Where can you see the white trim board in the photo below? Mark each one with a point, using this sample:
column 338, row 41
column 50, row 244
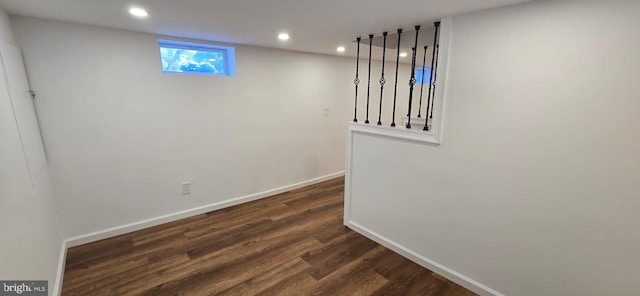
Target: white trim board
column 389, row 132
column 432, row 265
column 57, row 288
column 433, row 138
column 439, row 94
column 434, row 135
column 118, row 230
column 111, row 232
column 354, row 128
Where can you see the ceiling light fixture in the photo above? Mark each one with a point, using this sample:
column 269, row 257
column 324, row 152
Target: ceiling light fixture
column 139, row 12
column 403, row 54
column 341, row 49
column 283, row 36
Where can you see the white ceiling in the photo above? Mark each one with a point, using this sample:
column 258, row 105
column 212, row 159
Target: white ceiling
column 317, row 26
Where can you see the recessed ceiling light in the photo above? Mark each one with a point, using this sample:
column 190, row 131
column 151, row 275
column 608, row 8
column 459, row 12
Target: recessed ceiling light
column 341, row 49
column 403, row 54
column 139, row 12
column 283, row 36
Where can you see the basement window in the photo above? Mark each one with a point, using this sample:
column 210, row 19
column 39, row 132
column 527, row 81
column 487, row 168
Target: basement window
column 195, row 58
column 427, row 75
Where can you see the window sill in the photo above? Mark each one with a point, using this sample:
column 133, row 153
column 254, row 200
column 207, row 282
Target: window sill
column 400, row 132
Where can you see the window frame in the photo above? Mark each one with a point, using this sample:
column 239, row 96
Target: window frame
column 228, row 53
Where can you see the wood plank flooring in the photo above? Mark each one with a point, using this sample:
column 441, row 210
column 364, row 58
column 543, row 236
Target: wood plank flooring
column 289, row 244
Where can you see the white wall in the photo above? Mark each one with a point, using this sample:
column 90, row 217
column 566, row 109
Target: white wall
column 31, row 241
column 121, row 136
column 534, row 190
column 6, row 32
column 402, row 97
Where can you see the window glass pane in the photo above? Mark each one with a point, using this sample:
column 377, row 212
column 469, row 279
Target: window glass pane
column 182, row 60
column 427, row 73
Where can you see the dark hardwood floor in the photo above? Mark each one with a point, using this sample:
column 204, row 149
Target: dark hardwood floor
column 289, row 244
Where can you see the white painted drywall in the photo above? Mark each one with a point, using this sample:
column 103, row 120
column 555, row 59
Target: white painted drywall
column 6, row 32
column 31, row 241
column 121, row 136
column 534, row 189
column 23, row 107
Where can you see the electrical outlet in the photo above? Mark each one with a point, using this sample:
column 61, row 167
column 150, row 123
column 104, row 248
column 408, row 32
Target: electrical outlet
column 186, row 188
column 325, row 112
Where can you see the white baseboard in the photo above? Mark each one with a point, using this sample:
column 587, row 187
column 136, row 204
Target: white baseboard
column 440, row 269
column 111, row 232
column 114, row 231
column 57, row 289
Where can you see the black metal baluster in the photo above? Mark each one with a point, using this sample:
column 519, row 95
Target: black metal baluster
column 369, row 82
column 424, row 61
column 435, row 78
column 412, row 81
column 433, row 58
column 382, row 80
column 395, row 88
column 356, row 82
